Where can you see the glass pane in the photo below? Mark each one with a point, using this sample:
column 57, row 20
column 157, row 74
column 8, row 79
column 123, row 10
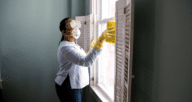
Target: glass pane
column 107, row 9
column 102, row 27
column 107, row 68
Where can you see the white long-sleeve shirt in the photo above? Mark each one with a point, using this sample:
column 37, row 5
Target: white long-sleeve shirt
column 74, row 61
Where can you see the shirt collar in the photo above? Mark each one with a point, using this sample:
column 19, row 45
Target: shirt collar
column 67, row 43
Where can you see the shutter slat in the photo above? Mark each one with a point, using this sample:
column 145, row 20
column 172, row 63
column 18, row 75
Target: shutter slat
column 119, row 42
column 120, row 63
column 119, row 50
column 119, row 47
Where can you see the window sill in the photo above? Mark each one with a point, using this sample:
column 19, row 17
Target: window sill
column 99, row 95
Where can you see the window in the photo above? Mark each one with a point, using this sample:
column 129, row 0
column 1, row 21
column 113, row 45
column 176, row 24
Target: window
column 107, row 9
column 113, row 73
column 106, row 60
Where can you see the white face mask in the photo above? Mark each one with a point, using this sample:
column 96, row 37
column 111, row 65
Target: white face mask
column 76, row 33
column 76, row 25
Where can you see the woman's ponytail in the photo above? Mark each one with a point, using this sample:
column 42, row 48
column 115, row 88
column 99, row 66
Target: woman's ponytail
column 62, row 27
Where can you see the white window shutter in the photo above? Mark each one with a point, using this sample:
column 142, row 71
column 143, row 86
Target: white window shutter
column 129, row 27
column 86, row 31
column 124, row 50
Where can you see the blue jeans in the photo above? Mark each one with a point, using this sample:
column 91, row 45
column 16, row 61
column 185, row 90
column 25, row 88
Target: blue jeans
column 66, row 94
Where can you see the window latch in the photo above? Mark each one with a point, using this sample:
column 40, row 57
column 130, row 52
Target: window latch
column 92, row 79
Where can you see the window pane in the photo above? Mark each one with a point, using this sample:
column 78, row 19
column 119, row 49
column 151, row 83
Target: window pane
column 102, row 27
column 107, row 9
column 107, row 68
column 107, row 58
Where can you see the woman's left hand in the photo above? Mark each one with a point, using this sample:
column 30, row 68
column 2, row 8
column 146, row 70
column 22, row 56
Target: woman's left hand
column 92, row 44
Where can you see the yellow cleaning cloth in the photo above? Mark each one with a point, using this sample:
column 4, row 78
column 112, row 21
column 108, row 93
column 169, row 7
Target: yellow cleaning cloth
column 109, row 24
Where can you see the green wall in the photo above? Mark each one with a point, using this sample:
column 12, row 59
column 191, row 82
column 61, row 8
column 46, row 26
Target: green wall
column 162, row 56
column 29, row 37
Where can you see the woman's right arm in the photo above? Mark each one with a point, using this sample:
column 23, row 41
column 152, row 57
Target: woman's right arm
column 72, row 55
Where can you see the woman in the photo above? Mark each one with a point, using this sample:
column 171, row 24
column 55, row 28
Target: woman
column 73, row 75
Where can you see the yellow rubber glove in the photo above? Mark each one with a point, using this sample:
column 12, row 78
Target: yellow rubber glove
column 91, row 45
column 108, row 33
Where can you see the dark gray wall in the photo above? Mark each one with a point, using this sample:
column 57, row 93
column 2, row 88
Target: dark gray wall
column 29, row 37
column 162, row 56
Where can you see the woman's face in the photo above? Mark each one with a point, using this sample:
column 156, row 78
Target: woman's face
column 68, row 34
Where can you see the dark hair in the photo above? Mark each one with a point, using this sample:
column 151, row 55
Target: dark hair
column 62, row 27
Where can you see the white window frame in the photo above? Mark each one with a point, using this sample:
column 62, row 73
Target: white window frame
column 125, row 8
column 96, row 90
